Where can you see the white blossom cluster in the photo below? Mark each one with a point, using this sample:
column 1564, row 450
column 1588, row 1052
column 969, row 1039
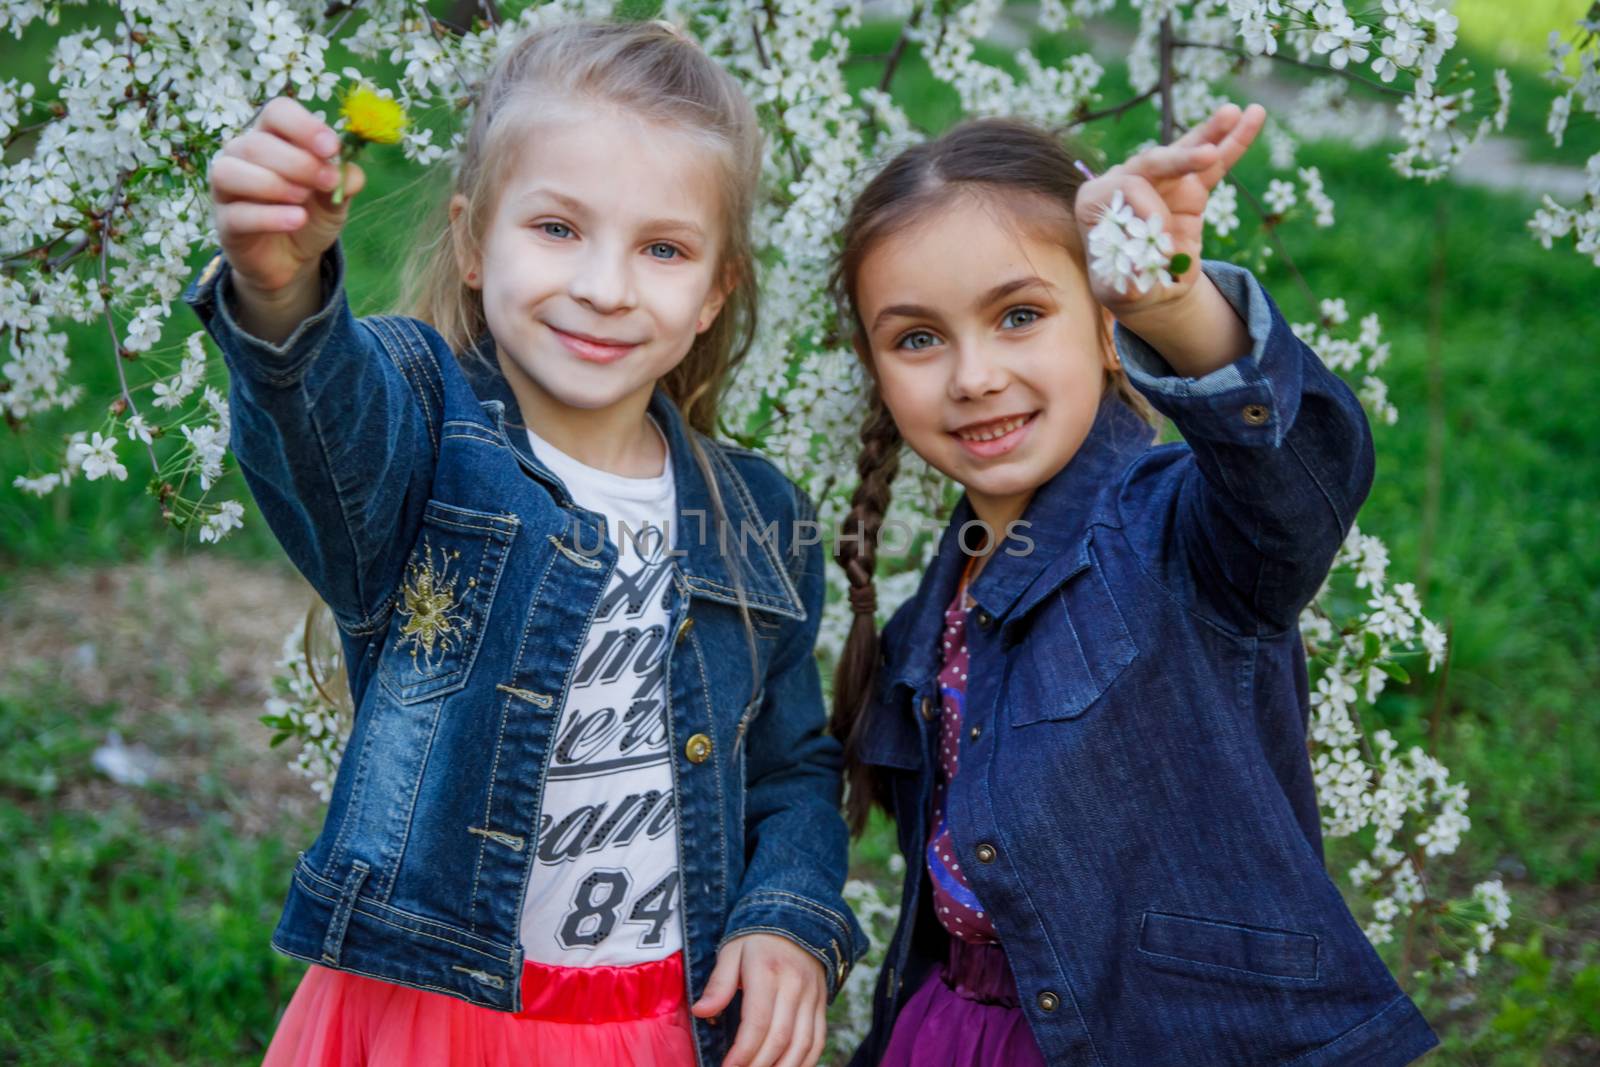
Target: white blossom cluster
column 1127, row 251
column 1364, row 355
column 1400, row 36
column 1413, row 809
column 299, row 711
column 1555, row 221
column 103, row 208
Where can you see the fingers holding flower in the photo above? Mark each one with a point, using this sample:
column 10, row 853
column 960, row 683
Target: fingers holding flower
column 1142, row 220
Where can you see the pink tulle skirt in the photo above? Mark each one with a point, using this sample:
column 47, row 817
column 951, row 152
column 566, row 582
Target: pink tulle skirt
column 583, row 1016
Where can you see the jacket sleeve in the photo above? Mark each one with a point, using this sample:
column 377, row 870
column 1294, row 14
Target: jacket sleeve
column 1279, row 461
column 796, row 843
column 334, row 435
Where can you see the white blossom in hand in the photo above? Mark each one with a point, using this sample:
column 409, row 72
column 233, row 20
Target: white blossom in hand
column 1126, row 250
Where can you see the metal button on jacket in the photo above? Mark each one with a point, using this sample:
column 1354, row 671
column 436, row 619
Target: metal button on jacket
column 985, row 853
column 1255, row 414
column 698, row 748
column 928, row 710
column 1048, row 1001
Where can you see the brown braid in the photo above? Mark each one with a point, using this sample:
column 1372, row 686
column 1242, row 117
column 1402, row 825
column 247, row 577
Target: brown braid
column 857, row 553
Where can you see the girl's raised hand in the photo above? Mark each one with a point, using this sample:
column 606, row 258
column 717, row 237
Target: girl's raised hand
column 271, row 190
column 783, row 1017
column 1171, row 183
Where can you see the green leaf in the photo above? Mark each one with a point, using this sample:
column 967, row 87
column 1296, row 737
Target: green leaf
column 1395, row 671
column 1181, row 263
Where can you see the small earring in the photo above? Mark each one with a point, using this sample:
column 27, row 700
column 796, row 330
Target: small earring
column 472, row 275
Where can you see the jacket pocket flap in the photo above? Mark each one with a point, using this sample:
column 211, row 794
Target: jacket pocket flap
column 1076, row 644
column 444, row 600
column 1275, row 953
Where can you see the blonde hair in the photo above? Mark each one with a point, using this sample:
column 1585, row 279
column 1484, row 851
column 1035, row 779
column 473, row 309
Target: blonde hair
column 655, row 72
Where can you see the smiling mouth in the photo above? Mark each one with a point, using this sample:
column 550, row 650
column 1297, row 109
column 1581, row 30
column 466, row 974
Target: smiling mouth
column 991, row 431
column 593, row 349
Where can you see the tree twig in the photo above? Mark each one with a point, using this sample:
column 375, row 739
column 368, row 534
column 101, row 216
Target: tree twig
column 1272, row 233
column 1106, row 113
column 766, row 61
column 1169, row 119
column 1433, row 481
column 111, row 324
column 1279, row 57
column 899, row 49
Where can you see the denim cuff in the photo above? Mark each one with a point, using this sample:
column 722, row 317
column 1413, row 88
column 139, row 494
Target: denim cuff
column 214, row 301
column 1252, row 400
column 830, row 936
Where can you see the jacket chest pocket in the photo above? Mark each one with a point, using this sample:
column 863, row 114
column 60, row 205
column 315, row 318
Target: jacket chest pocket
column 444, row 599
column 1075, row 645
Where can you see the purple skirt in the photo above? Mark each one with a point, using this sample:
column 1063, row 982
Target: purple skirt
column 965, row 1015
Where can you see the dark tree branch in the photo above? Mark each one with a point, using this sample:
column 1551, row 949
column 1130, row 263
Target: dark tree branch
column 1293, row 62
column 105, row 302
column 1087, row 117
column 899, row 50
column 1270, row 221
column 1169, row 120
column 766, row 61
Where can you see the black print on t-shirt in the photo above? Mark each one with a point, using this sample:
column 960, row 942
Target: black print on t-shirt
column 596, row 741
column 615, row 724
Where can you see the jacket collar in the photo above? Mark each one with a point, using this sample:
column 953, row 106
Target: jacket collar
column 1017, row 576
column 1060, row 513
column 705, row 561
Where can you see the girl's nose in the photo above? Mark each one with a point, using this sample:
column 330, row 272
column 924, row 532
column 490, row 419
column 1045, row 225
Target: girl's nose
column 975, row 372
column 603, row 282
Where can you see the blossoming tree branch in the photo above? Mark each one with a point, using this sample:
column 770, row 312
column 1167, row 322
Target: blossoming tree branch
column 103, row 217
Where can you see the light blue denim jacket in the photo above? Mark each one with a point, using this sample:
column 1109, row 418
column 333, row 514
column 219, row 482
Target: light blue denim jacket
column 378, row 458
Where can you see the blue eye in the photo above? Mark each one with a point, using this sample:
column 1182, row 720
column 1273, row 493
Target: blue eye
column 556, row 229
column 917, row 340
column 662, row 250
column 1016, row 318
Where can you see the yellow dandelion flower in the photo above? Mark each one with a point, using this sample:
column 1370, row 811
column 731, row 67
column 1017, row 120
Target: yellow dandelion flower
column 372, row 115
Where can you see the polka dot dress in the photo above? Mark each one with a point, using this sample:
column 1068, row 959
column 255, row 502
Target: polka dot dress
column 954, row 902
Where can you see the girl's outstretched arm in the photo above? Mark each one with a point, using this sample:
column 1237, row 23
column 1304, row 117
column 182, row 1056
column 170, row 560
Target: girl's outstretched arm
column 333, row 420
column 1280, row 453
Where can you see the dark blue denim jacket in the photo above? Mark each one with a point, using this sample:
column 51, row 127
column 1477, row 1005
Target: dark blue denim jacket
column 371, row 448
column 1135, row 806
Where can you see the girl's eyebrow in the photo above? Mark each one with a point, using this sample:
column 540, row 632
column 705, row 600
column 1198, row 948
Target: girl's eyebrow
column 681, row 227
column 1005, row 289
column 999, row 292
column 566, row 202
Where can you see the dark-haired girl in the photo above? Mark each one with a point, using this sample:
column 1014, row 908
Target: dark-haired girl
column 1089, row 722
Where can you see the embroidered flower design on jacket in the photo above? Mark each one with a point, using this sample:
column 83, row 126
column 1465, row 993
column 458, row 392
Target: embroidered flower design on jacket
column 429, row 601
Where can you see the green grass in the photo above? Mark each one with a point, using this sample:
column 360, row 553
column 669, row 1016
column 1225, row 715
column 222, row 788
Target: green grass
column 1515, row 32
column 121, row 941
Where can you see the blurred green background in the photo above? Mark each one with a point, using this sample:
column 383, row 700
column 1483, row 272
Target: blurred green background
column 134, row 919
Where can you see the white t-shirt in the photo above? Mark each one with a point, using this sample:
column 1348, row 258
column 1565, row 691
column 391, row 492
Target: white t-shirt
column 604, row 889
